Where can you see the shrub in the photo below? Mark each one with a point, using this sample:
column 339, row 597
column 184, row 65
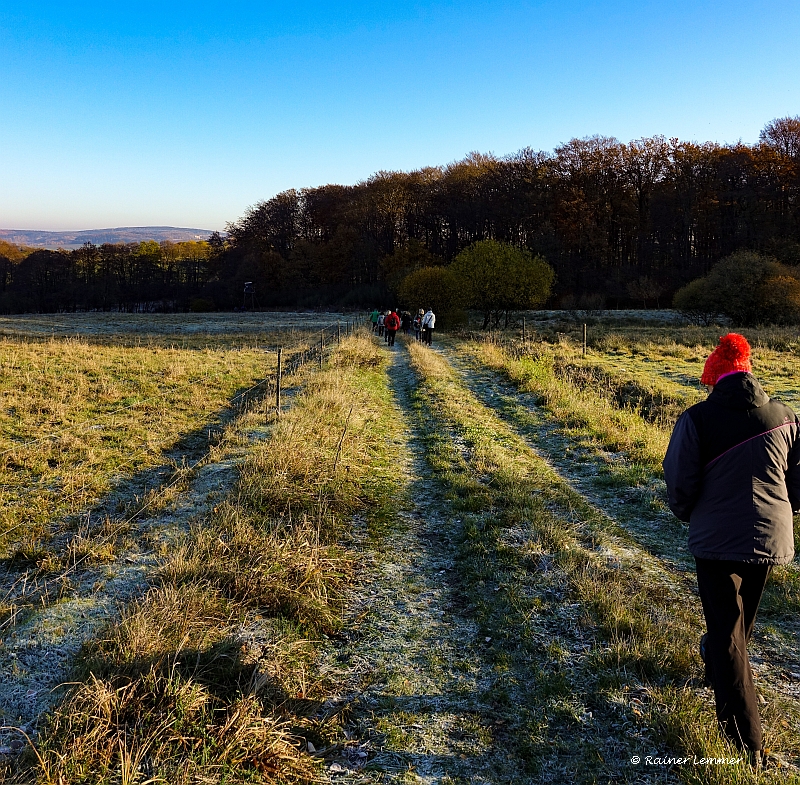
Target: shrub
column 780, row 297
column 696, row 303
column 746, row 287
column 435, row 288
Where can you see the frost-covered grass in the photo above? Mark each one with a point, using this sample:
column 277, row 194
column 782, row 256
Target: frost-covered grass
column 604, row 635
column 511, row 630
column 587, row 404
column 180, row 330
column 670, row 357
column 78, row 418
column 207, row 676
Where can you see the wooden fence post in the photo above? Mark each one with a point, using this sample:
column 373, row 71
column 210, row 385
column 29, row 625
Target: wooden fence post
column 523, row 331
column 278, row 382
column 584, row 339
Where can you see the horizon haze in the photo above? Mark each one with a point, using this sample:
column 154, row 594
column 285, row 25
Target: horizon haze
column 70, row 239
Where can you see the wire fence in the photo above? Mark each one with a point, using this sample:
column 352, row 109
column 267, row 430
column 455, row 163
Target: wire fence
column 329, row 338
column 316, row 352
column 19, row 593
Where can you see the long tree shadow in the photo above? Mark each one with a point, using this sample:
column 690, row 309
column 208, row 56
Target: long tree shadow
column 130, row 495
column 96, row 562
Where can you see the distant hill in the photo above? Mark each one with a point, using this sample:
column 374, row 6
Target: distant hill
column 122, row 234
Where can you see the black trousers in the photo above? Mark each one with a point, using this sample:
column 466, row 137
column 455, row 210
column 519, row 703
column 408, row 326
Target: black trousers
column 390, row 334
column 730, row 592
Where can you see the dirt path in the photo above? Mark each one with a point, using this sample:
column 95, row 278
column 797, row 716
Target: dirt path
column 420, row 689
column 465, row 666
column 436, row 685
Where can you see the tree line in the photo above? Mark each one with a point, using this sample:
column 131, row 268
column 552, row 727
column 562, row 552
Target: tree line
column 146, row 276
column 621, row 224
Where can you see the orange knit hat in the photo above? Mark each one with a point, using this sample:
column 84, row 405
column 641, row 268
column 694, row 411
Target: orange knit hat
column 732, row 354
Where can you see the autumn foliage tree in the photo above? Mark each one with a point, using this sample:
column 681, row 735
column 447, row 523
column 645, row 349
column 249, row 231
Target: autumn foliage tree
column 497, row 278
column 621, row 223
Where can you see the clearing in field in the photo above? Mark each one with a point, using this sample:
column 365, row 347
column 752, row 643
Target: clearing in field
column 438, row 566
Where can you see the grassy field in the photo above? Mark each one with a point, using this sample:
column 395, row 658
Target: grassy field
column 446, row 566
column 108, row 452
column 114, row 396
column 223, row 330
column 207, row 676
column 627, row 410
column 76, row 417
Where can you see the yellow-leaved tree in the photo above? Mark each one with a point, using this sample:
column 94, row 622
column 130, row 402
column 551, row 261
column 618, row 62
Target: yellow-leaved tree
column 498, row 278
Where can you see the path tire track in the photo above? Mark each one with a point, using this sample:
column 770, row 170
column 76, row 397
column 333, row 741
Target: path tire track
column 641, row 512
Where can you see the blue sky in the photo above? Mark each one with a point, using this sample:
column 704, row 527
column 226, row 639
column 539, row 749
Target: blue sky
column 185, row 113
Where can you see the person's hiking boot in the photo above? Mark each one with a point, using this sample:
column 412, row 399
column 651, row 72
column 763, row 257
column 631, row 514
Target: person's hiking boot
column 756, row 759
column 703, row 654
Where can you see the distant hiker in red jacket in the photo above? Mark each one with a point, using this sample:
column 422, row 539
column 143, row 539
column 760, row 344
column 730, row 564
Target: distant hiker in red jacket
column 392, row 325
column 733, row 473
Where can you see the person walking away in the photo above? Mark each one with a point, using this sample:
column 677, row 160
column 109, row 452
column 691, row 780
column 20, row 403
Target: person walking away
column 428, row 323
column 392, row 325
column 732, row 470
column 381, row 318
column 405, row 322
column 373, row 317
column 418, row 324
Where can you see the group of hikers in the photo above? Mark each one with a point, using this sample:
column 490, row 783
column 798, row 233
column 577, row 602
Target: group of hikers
column 386, row 324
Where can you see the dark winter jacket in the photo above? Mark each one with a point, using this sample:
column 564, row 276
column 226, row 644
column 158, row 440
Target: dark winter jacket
column 733, row 472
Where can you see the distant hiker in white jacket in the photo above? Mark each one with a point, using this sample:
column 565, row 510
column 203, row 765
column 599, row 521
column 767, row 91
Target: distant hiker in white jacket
column 428, row 323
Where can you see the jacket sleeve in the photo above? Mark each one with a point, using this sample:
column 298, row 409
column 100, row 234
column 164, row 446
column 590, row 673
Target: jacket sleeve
column 682, row 470
column 793, row 472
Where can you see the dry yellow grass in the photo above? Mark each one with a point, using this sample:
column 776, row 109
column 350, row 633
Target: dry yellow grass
column 644, row 630
column 618, row 429
column 76, row 418
column 206, row 678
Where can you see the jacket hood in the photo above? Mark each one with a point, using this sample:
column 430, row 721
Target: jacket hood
column 739, row 391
